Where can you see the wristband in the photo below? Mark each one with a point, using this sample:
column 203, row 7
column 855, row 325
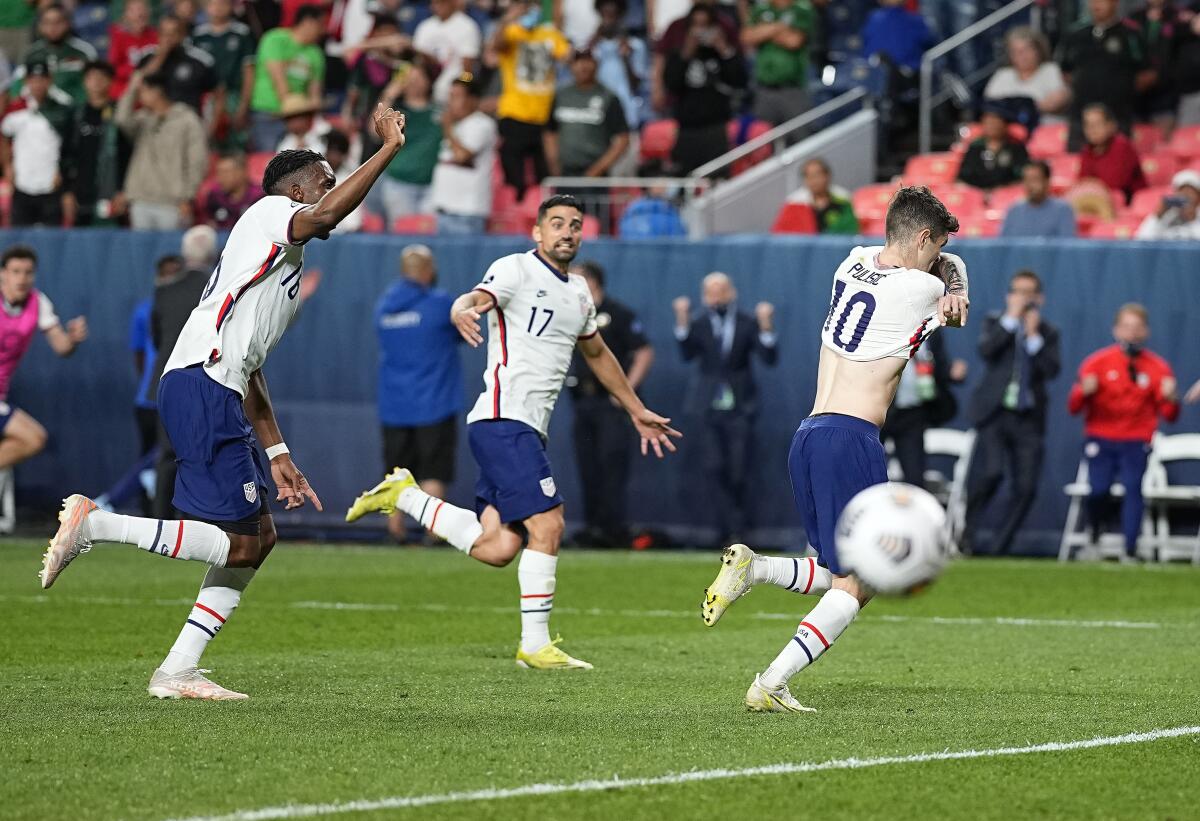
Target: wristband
column 277, row 450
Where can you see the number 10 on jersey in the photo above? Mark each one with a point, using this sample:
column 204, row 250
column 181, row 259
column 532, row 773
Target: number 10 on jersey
column 864, row 298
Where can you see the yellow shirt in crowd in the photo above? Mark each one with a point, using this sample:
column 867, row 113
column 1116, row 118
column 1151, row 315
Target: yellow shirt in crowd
column 529, row 71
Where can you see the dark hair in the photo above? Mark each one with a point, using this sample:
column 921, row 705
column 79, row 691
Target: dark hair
column 592, row 270
column 165, row 262
column 1104, row 110
column 1025, row 273
column 156, row 80
column 284, row 165
column 819, row 161
column 556, row 201
column 699, row 9
column 335, row 140
column 1040, row 165
column 308, row 12
column 18, row 252
column 103, row 66
column 171, row 18
column 912, row 210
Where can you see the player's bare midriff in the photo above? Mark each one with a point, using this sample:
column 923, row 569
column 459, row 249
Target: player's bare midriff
column 862, row 389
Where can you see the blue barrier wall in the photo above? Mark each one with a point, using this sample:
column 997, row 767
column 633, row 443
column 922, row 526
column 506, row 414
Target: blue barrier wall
column 322, row 376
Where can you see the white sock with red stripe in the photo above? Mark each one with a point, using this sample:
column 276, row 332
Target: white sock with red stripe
column 820, row 628
column 457, row 526
column 220, row 593
column 798, row 575
column 175, row 539
column 535, row 575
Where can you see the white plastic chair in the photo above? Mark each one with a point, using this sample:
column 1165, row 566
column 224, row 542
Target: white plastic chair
column 957, row 444
column 8, row 509
column 1161, row 495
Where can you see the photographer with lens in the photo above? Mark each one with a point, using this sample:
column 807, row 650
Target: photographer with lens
column 1178, row 215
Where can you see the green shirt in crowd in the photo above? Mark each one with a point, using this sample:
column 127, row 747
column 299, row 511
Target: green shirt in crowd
column 837, row 217
column 304, row 64
column 230, row 49
column 586, row 120
column 774, row 65
column 66, row 61
column 16, row 14
column 422, row 141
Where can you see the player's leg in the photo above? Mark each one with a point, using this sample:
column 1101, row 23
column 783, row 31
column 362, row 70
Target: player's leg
column 1133, row 466
column 1102, row 470
column 537, row 576
column 23, row 436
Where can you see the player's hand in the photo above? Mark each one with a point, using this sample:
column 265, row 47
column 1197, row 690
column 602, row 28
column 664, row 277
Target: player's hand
column 77, row 329
column 1170, row 389
column 1193, row 394
column 1090, row 384
column 293, row 487
column 952, row 308
column 765, row 313
column 655, row 431
column 389, row 126
column 467, row 322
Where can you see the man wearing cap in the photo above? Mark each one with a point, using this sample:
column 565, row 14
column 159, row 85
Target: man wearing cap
column 1178, row 216
column 995, row 158
column 31, row 148
column 586, row 133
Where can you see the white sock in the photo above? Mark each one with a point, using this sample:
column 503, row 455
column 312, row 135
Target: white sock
column 798, row 575
column 535, row 575
column 219, row 595
column 457, row 526
column 820, row 628
column 175, row 539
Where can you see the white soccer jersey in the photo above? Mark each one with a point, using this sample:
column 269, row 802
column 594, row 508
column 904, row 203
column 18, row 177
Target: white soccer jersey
column 878, row 311
column 539, row 316
column 250, row 300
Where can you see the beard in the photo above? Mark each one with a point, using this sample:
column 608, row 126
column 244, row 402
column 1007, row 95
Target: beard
column 562, row 254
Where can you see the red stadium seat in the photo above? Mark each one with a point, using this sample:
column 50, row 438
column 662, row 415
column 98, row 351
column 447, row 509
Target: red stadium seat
column 1147, row 138
column 1048, row 141
column 1123, row 228
column 962, row 200
column 871, row 201
column 1147, row 200
column 658, row 138
column 1185, row 143
column 755, row 129
column 372, row 223
column 1160, row 168
column 256, row 164
column 795, row 218
column 1064, row 171
column 931, row 169
column 591, row 227
column 1001, row 199
column 423, row 224
column 870, row 226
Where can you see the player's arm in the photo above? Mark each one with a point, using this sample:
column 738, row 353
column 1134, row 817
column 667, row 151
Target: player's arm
column 64, row 340
column 344, row 197
column 292, row 486
column 653, row 429
column 466, row 312
column 953, row 307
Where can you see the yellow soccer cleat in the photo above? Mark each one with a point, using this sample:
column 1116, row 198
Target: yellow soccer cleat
column 732, row 582
column 550, row 657
column 382, row 498
column 763, row 699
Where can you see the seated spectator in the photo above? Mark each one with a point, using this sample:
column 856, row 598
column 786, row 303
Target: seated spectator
column 303, row 129
column 830, row 203
column 63, row 54
column 170, row 155
column 1178, row 217
column 995, row 158
column 780, row 32
column 31, row 147
column 94, row 155
column 189, row 71
column 405, row 186
column 449, row 40
column 224, row 203
column 462, row 180
column 231, row 46
column 1040, row 215
column 1031, row 73
column 1109, row 156
column 702, row 77
column 622, row 66
column 1163, row 25
column 128, row 43
column 899, row 34
column 586, row 133
column 650, row 216
column 289, row 61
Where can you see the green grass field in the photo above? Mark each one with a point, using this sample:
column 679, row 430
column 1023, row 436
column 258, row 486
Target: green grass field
column 384, row 674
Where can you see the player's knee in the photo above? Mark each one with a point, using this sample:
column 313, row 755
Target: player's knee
column 245, row 551
column 34, row 438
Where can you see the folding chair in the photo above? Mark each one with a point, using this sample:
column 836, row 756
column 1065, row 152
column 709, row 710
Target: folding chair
column 8, row 510
column 1161, row 495
column 1110, row 544
column 957, row 444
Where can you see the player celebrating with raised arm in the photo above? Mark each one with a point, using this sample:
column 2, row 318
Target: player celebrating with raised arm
column 537, row 314
column 885, row 302
column 213, row 403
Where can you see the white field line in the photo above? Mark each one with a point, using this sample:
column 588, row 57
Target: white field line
column 391, row 607
column 672, row 779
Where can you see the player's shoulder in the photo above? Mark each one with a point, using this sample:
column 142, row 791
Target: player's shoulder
column 578, row 282
column 271, row 204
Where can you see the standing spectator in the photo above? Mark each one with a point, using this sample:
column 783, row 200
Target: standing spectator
column 671, row 39
column 31, row 148
column 622, row 66
column 1163, row 25
column 95, row 155
column 703, row 76
column 16, row 27
column 1104, row 61
column 406, row 186
column 1031, row 74
column 1122, row 390
column 64, row 54
column 603, row 446
column 450, row 40
column 723, row 393
column 230, row 46
column 898, row 33
column 1109, row 156
column 780, row 32
column 462, row 180
column 586, row 133
column 170, row 155
column 995, row 158
column 650, row 216
column 128, row 42
column 224, row 203
column 1178, row 216
column 830, row 204
column 420, row 378
column 1008, row 409
column 1040, row 215
column 188, row 71
column 377, row 64
column 1187, row 72
column 529, row 50
column 289, row 61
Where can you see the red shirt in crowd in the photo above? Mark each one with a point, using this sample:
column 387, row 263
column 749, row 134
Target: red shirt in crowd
column 125, row 51
column 1129, row 396
column 1117, row 165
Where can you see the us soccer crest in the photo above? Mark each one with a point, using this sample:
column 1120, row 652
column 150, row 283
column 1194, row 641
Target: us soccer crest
column 251, row 491
column 548, row 487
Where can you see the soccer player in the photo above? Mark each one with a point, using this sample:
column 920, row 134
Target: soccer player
column 886, row 301
column 213, row 403
column 26, row 310
column 537, row 314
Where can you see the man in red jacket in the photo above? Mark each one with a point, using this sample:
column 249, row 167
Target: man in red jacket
column 1122, row 390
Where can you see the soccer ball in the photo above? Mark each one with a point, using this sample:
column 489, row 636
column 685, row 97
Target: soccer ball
column 893, row 537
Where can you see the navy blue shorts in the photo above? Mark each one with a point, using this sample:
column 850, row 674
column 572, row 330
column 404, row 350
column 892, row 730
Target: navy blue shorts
column 6, row 412
column 832, row 458
column 514, row 471
column 220, row 476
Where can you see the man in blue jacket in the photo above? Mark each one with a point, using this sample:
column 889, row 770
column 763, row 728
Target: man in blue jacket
column 420, row 379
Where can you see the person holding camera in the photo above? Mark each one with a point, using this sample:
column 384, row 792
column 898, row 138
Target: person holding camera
column 1178, row 216
column 1020, row 353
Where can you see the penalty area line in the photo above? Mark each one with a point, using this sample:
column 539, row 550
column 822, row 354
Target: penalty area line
column 673, row 779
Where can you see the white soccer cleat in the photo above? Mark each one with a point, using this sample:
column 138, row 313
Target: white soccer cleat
column 731, row 583
column 190, row 683
column 70, row 540
column 761, row 699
